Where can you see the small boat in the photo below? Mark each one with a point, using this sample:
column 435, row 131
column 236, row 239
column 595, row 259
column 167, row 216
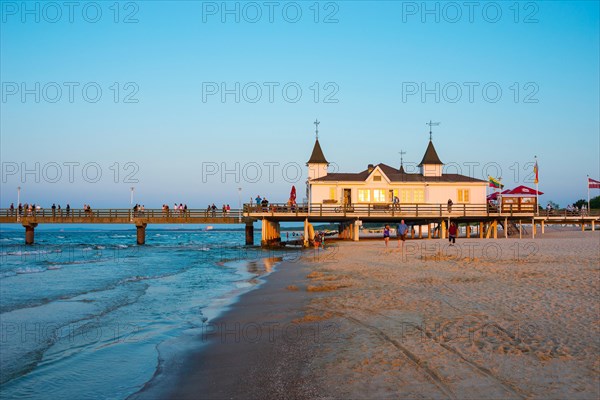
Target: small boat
column 209, row 228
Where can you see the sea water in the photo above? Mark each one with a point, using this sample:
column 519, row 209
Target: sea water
column 89, row 314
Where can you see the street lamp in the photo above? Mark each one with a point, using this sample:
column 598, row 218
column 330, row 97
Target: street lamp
column 131, row 204
column 240, row 205
column 18, row 202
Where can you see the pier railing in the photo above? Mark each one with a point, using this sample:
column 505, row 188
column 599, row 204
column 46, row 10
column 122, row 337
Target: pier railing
column 402, row 210
column 119, row 214
column 283, row 211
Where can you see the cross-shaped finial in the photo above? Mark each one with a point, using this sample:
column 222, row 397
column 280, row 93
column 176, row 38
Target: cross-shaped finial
column 401, row 158
column 430, row 125
column 317, row 128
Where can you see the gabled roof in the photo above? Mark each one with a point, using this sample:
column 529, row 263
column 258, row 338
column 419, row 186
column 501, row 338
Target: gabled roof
column 430, row 156
column 395, row 175
column 523, row 190
column 317, row 156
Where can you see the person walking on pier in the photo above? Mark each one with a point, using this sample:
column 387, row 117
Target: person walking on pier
column 12, row 209
column 68, row 209
column 214, row 210
column 452, row 231
column 401, row 231
column 450, row 203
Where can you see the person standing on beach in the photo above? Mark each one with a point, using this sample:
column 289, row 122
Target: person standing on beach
column 452, row 231
column 386, row 235
column 401, row 231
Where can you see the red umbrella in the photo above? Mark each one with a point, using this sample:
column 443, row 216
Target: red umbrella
column 293, row 193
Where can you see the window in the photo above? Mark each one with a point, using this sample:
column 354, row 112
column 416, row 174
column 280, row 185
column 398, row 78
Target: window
column 332, row 193
column 379, row 195
column 364, row 195
column 377, row 178
column 412, row 196
column 419, row 196
column 406, row 196
column 463, row 195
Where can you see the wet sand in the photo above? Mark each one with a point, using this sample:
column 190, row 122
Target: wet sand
column 485, row 319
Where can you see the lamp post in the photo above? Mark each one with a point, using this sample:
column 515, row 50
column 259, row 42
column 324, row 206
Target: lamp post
column 240, row 205
column 131, row 203
column 19, row 202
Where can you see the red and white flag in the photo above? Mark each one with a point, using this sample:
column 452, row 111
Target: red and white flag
column 593, row 184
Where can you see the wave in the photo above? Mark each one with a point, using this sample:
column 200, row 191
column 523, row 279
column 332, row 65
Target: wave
column 29, row 270
column 29, row 253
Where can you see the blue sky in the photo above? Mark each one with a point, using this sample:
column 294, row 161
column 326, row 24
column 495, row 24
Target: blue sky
column 162, row 126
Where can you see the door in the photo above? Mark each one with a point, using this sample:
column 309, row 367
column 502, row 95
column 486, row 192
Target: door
column 347, row 196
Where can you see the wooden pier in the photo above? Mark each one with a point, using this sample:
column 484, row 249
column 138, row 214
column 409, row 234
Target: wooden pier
column 481, row 217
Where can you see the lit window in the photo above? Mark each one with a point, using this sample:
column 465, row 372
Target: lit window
column 419, row 196
column 463, row 195
column 332, row 193
column 406, row 196
column 379, row 196
column 364, row 195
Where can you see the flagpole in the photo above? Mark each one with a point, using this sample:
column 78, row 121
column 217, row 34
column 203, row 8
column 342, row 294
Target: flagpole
column 588, row 185
column 537, row 192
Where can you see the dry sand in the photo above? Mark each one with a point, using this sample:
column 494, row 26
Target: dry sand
column 485, row 319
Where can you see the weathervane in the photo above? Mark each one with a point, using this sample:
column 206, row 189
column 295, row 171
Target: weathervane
column 430, row 125
column 401, row 152
column 317, row 128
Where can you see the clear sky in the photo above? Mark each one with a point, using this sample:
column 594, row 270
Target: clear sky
column 186, row 100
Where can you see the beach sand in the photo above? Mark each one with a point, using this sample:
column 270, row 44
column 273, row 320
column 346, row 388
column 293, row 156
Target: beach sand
column 485, row 319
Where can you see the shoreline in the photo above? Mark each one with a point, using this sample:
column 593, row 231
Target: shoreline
column 256, row 348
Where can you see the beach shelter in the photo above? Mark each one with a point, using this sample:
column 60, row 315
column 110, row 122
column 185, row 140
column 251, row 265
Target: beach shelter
column 520, row 199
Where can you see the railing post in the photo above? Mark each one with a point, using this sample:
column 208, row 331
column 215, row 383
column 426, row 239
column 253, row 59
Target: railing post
column 464, row 210
column 416, row 210
column 511, row 210
column 321, row 210
column 369, row 209
column 440, row 210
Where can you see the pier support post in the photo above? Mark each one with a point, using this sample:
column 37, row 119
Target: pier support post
column 270, row 233
column 593, row 225
column 346, row 231
column 543, row 230
column 481, row 230
column 582, row 226
column 305, row 232
column 443, row 229
column 429, row 231
column 141, row 233
column 505, row 228
column 533, row 228
column 520, row 230
column 249, row 234
column 420, row 231
column 356, row 229
column 29, row 233
column 468, row 231
column 495, row 229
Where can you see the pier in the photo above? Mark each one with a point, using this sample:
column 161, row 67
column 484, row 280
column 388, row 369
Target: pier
column 480, row 218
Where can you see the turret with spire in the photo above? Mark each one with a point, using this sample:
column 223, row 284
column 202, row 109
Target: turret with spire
column 317, row 164
column 431, row 165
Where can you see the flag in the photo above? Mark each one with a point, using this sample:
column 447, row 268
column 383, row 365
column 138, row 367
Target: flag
column 535, row 171
column 495, row 183
column 593, row 184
